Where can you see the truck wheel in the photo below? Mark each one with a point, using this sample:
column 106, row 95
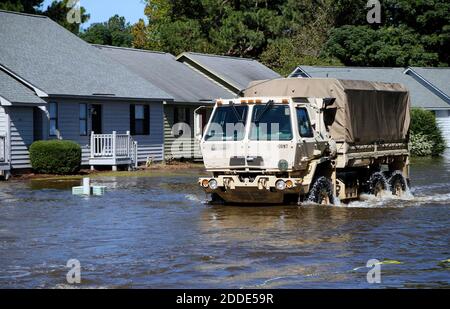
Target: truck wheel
column 321, row 192
column 378, row 184
column 397, row 183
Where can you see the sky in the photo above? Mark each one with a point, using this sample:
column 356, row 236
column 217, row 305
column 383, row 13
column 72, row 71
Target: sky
column 102, row 10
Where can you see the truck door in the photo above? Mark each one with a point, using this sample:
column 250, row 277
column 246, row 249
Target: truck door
column 271, row 142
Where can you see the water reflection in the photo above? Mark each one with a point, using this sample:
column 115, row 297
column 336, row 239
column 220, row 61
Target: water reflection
column 159, row 232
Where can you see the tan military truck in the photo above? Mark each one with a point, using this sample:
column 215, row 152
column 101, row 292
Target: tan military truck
column 298, row 140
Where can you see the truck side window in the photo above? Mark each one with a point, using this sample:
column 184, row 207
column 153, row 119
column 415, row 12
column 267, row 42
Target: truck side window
column 304, row 125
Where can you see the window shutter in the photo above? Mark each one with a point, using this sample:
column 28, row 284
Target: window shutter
column 132, row 120
column 146, row 119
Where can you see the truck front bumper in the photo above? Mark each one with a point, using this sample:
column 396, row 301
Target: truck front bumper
column 261, row 189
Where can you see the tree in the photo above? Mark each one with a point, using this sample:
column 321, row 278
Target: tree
column 115, row 32
column 237, row 28
column 411, row 33
column 139, row 34
column 58, row 11
column 387, row 46
column 25, row 6
column 424, row 129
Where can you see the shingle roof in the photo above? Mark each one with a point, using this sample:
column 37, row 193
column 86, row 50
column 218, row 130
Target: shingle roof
column 59, row 63
column 16, row 92
column 164, row 71
column 420, row 96
column 238, row 72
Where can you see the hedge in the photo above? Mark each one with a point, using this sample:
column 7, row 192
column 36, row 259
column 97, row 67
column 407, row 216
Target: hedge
column 426, row 137
column 55, row 157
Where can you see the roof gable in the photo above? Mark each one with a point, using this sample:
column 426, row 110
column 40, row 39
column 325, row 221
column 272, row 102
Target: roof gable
column 233, row 71
column 59, row 63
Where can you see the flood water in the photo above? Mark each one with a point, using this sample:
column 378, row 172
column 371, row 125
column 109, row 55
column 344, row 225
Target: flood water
column 158, row 232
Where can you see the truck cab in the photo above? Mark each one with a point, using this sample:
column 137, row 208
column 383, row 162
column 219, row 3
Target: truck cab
column 258, row 149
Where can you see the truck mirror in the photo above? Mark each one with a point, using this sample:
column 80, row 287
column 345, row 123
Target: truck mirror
column 328, row 101
column 200, row 121
column 198, row 130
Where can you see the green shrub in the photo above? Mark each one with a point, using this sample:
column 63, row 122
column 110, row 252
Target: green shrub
column 424, row 129
column 420, row 145
column 55, row 157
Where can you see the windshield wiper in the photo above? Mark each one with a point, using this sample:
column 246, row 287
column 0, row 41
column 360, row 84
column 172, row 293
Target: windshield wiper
column 266, row 108
column 236, row 113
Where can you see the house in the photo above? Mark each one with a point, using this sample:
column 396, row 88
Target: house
column 56, row 86
column 189, row 88
column 429, row 87
column 233, row 73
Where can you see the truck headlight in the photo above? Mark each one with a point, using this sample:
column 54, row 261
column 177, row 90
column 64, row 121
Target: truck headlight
column 213, row 184
column 280, row 185
column 205, row 183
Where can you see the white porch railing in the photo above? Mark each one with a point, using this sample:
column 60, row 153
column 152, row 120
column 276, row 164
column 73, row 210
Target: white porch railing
column 114, row 146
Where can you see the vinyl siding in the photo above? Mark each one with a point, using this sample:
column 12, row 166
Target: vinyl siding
column 115, row 117
column 4, row 133
column 443, row 121
column 188, row 147
column 21, row 126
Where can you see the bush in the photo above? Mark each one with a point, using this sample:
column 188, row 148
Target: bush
column 55, row 157
column 424, row 129
column 420, row 145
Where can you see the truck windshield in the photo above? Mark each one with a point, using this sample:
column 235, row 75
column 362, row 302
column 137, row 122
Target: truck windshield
column 304, row 125
column 274, row 124
column 227, row 124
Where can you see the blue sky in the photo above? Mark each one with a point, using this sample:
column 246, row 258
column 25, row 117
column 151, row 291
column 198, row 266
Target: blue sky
column 102, row 10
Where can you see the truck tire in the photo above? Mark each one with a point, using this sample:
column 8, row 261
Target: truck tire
column 321, row 192
column 397, row 183
column 378, row 184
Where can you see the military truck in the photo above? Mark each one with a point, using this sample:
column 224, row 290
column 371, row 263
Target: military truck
column 307, row 140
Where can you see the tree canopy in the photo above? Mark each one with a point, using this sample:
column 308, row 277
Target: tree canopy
column 116, row 32
column 281, row 33
column 57, row 11
column 25, row 6
column 284, row 33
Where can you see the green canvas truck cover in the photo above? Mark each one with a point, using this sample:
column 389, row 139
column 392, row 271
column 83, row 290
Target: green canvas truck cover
column 363, row 113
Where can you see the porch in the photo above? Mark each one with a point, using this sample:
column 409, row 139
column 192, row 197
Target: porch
column 5, row 165
column 113, row 150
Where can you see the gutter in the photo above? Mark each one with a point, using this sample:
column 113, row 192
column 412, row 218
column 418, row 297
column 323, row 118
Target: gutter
column 108, row 98
column 427, row 84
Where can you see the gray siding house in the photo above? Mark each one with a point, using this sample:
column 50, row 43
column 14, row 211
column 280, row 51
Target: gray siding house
column 53, row 85
column 429, row 87
column 233, row 73
column 189, row 88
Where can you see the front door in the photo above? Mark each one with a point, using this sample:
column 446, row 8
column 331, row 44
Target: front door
column 96, row 118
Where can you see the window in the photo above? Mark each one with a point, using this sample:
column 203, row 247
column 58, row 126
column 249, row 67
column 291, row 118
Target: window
column 53, row 111
column 304, row 125
column 227, row 124
column 271, row 123
column 139, row 119
column 181, row 114
column 83, row 119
